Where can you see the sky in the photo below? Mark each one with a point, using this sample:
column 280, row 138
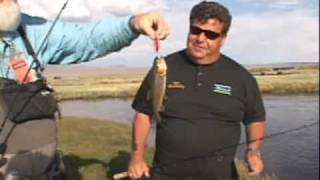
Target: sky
column 262, row 31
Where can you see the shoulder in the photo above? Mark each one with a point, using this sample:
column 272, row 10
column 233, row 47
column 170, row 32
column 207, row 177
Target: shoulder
column 177, row 57
column 174, row 55
column 235, row 67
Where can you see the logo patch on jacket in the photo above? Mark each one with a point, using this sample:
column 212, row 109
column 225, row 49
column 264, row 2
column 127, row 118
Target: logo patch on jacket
column 222, row 89
column 176, row 85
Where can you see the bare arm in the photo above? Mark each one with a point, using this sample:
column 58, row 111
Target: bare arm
column 141, row 128
column 255, row 135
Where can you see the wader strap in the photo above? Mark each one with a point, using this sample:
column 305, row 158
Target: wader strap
column 30, row 50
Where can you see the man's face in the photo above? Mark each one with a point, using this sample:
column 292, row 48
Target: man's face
column 205, row 40
column 9, row 15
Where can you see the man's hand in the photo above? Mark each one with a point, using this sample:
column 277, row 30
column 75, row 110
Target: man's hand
column 138, row 168
column 151, row 24
column 255, row 162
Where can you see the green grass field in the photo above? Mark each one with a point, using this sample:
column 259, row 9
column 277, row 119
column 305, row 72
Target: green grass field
column 95, row 149
column 300, row 80
column 125, row 84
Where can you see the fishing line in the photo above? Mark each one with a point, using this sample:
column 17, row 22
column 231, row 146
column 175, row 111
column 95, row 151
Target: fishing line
column 218, row 153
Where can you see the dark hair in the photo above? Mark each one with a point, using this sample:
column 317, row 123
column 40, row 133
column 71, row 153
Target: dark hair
column 206, row 10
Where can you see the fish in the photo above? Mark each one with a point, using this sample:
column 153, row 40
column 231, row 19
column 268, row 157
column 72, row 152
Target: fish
column 158, row 87
column 156, row 95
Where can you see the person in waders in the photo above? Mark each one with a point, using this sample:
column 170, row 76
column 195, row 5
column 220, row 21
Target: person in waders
column 28, row 133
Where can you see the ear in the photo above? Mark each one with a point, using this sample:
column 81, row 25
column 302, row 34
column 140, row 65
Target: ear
column 223, row 39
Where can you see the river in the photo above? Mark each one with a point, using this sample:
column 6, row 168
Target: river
column 292, row 155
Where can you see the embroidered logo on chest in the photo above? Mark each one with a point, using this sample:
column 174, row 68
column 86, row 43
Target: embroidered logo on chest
column 222, row 89
column 176, row 85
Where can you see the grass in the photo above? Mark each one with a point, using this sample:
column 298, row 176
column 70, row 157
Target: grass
column 95, row 149
column 124, row 85
column 293, row 81
column 94, row 87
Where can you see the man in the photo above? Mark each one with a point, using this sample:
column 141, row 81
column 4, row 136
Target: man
column 29, row 148
column 208, row 95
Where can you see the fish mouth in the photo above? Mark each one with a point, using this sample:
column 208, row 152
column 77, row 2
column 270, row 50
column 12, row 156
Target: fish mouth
column 161, row 67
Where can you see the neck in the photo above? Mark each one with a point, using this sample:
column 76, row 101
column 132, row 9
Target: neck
column 211, row 60
column 1, row 34
column 205, row 61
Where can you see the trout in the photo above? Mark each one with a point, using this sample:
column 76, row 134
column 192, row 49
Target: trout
column 158, row 87
column 156, row 95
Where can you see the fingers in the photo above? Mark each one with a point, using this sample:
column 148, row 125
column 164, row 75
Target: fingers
column 163, row 32
column 160, row 27
column 138, row 173
column 255, row 165
column 146, row 173
column 138, row 168
column 151, row 24
column 255, row 161
column 149, row 31
column 254, row 171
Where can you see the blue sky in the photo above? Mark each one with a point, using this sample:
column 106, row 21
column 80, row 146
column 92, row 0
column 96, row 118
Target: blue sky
column 262, row 31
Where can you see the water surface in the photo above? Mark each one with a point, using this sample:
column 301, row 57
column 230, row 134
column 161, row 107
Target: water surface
column 291, row 156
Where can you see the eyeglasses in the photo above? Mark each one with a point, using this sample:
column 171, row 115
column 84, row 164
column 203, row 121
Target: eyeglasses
column 209, row 34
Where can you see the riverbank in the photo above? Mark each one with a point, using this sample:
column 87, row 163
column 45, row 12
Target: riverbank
column 123, row 83
column 95, row 149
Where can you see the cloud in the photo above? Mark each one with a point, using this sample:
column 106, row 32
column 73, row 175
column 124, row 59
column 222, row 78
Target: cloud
column 90, row 9
column 256, row 36
column 287, row 36
column 282, row 37
column 275, row 3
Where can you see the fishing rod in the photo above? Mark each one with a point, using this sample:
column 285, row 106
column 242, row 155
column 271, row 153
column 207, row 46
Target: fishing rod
column 254, row 140
column 45, row 39
column 122, row 175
